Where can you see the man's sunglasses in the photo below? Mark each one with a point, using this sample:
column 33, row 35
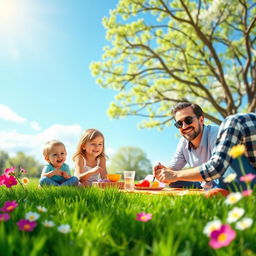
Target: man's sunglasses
column 188, row 120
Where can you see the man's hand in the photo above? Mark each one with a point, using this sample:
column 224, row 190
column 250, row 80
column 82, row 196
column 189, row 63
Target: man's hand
column 157, row 167
column 166, row 175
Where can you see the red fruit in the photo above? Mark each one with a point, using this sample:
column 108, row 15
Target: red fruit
column 143, row 183
column 216, row 192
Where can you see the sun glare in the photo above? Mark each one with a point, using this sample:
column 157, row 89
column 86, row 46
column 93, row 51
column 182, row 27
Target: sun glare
column 12, row 15
column 21, row 26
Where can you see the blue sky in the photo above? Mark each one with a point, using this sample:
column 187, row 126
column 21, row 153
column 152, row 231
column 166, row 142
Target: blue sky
column 47, row 90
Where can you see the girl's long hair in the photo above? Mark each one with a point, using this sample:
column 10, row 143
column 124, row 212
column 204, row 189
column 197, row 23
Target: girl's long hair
column 87, row 136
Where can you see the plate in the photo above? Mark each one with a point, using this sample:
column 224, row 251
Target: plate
column 147, row 188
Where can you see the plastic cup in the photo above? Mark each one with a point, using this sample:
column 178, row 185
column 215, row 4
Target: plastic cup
column 129, row 180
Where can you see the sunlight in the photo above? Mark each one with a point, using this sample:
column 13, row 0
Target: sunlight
column 21, row 26
column 12, row 15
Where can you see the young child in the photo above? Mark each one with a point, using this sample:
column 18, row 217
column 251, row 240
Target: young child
column 90, row 158
column 56, row 173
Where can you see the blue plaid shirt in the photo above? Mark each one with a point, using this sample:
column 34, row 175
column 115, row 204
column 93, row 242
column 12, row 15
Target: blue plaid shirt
column 234, row 130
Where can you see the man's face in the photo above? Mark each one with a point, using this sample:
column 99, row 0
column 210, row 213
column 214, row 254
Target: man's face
column 189, row 131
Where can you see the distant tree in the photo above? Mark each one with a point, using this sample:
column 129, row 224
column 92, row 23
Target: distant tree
column 27, row 162
column 3, row 158
column 165, row 51
column 131, row 159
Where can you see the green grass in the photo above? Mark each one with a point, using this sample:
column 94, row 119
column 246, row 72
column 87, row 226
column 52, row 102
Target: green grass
column 103, row 223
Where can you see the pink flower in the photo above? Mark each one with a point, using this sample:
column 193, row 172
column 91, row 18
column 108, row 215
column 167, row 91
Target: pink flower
column 9, row 181
column 246, row 192
column 248, row 177
column 144, row 216
column 4, row 217
column 222, row 237
column 23, row 170
column 9, row 206
column 9, row 171
column 26, row 225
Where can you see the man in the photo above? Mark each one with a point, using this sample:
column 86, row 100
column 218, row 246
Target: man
column 236, row 129
column 198, row 141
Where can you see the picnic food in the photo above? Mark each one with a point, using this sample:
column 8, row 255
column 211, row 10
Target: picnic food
column 114, row 177
column 155, row 184
column 143, row 183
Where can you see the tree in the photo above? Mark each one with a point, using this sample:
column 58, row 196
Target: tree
column 26, row 162
column 3, row 158
column 163, row 52
column 131, row 159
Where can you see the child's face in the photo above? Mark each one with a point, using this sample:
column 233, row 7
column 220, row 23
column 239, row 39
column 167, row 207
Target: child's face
column 57, row 156
column 94, row 147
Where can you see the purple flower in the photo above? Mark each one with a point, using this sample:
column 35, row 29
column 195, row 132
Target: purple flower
column 26, row 225
column 4, row 217
column 9, row 206
column 144, row 216
column 222, row 237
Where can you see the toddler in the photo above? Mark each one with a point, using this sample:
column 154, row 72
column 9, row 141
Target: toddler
column 56, row 173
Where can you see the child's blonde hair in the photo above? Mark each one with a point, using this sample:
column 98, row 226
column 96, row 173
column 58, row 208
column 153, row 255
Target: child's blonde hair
column 49, row 146
column 87, row 136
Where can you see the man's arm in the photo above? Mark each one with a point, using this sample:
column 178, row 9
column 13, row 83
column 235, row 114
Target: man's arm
column 167, row 175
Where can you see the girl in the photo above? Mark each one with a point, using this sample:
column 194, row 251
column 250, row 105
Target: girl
column 90, row 158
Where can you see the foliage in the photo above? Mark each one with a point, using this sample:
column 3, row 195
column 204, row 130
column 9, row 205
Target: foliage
column 27, row 162
column 3, row 158
column 131, row 159
column 103, row 222
column 163, row 52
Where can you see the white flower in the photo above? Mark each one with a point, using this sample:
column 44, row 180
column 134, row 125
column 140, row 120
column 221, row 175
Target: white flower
column 48, row 223
column 230, row 178
column 244, row 223
column 41, row 209
column 232, row 198
column 211, row 226
column 32, row 216
column 235, row 214
column 64, row 228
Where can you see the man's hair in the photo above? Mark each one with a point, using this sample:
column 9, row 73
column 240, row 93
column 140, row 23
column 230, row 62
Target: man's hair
column 49, row 146
column 196, row 109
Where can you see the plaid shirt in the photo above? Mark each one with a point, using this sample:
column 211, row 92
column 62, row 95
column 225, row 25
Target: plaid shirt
column 234, row 130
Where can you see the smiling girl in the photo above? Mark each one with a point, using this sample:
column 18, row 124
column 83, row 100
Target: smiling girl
column 90, row 158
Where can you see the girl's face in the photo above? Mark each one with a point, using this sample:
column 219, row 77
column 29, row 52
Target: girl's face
column 57, row 156
column 94, row 147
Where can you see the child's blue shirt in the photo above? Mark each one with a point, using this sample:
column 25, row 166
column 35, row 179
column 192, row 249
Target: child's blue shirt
column 57, row 178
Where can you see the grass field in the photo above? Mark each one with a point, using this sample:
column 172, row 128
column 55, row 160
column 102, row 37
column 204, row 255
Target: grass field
column 103, row 222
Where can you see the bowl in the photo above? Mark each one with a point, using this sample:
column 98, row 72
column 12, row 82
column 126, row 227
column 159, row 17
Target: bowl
column 114, row 177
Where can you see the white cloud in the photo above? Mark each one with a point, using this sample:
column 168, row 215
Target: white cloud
column 7, row 114
column 35, row 126
column 32, row 144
